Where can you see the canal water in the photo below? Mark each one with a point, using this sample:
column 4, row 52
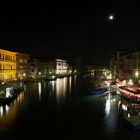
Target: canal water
column 63, row 109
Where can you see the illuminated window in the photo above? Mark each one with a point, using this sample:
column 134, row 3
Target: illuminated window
column 20, row 60
column 25, row 60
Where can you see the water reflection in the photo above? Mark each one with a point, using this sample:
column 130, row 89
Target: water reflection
column 7, row 110
column 39, row 90
column 4, row 110
column 61, row 88
column 64, row 85
column 75, row 78
column 110, row 102
column 20, row 98
column 69, row 84
column 107, row 106
column 53, row 86
column 111, row 113
column 25, row 88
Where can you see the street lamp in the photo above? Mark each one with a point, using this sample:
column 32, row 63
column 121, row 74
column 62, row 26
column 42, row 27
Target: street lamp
column 130, row 82
column 70, row 71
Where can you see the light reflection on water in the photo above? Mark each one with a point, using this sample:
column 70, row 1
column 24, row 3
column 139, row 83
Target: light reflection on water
column 8, row 113
column 39, row 90
column 40, row 95
column 7, row 109
column 61, row 89
column 111, row 113
column 4, row 110
column 53, row 83
column 75, row 78
column 107, row 105
column 69, row 84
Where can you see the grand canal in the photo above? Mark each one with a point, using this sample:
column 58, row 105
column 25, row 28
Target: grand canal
column 63, row 109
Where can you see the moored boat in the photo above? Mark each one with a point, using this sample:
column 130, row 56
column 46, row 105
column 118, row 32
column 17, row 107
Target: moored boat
column 9, row 93
column 132, row 117
column 132, row 122
column 99, row 90
column 129, row 114
column 130, row 92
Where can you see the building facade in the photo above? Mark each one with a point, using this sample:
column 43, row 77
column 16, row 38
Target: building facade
column 7, row 65
column 19, row 66
column 77, row 65
column 61, row 66
column 38, row 69
column 22, row 61
column 125, row 64
column 57, row 66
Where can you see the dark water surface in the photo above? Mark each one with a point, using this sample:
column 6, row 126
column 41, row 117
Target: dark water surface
column 63, row 109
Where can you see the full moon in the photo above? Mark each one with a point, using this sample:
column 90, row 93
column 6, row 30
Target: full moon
column 111, row 17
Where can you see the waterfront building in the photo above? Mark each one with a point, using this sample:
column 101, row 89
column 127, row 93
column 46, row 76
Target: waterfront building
column 19, row 66
column 77, row 65
column 58, row 66
column 61, row 66
column 7, row 65
column 102, row 72
column 38, row 69
column 22, row 60
column 125, row 64
column 89, row 69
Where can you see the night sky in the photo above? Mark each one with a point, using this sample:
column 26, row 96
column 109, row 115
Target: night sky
column 71, row 29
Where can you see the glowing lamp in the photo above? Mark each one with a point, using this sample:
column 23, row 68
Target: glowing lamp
column 136, row 74
column 130, row 82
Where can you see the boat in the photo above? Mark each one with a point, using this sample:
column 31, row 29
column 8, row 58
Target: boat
column 130, row 92
column 130, row 114
column 98, row 90
column 9, row 93
column 132, row 122
column 131, row 118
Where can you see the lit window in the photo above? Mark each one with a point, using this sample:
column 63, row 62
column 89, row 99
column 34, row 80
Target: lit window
column 21, row 60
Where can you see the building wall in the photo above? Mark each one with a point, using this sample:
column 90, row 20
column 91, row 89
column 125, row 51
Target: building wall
column 126, row 64
column 7, row 65
column 61, row 66
column 38, row 69
column 42, row 69
column 22, row 65
column 18, row 66
column 77, row 65
column 57, row 66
